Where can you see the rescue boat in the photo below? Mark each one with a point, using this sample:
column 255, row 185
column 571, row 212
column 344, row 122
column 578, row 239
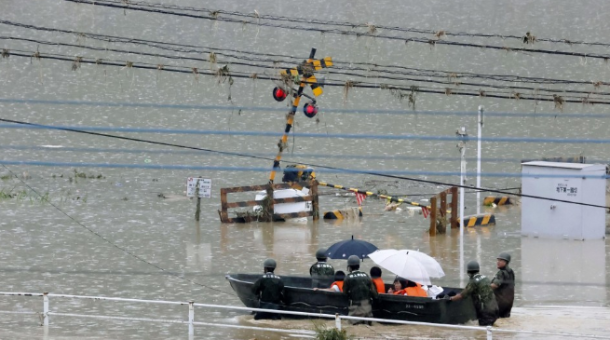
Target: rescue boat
column 300, row 297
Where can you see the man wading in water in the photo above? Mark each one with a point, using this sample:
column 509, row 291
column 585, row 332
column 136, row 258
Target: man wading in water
column 360, row 290
column 479, row 288
column 503, row 285
column 269, row 289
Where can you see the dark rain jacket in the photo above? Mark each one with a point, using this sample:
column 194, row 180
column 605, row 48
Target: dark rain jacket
column 479, row 288
column 269, row 289
column 322, row 274
column 505, row 293
column 358, row 286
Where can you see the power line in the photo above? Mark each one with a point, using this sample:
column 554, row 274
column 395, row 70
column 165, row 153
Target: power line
column 368, row 26
column 395, row 69
column 126, row 251
column 313, row 165
column 339, row 71
column 308, row 135
column 223, row 73
column 269, row 154
column 284, row 109
column 426, row 41
column 323, row 169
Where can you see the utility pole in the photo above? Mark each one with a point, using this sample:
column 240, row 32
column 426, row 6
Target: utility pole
column 479, row 135
column 461, row 133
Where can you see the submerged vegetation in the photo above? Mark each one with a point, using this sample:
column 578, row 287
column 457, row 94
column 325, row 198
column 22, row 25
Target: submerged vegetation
column 323, row 332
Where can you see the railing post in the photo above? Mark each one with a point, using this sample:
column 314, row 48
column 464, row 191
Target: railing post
column 338, row 321
column 489, row 335
column 191, row 318
column 45, row 309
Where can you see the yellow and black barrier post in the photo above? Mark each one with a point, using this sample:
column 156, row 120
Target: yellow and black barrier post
column 481, row 220
column 497, row 200
column 342, row 214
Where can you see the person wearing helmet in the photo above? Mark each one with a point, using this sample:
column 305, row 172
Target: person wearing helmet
column 503, row 285
column 479, row 288
column 269, row 289
column 359, row 289
column 322, row 273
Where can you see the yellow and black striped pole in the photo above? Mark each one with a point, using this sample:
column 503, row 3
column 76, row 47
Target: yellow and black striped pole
column 370, row 193
column 289, row 121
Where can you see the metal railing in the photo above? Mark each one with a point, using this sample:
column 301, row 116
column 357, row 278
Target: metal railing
column 46, row 313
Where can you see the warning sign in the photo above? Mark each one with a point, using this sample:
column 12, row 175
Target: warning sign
column 205, row 187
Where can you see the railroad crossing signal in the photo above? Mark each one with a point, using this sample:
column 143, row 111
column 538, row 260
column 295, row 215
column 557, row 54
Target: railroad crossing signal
column 304, row 75
column 305, row 72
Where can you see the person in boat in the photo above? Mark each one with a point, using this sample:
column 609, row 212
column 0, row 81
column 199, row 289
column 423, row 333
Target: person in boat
column 337, row 285
column 322, row 273
column 479, row 288
column 269, row 289
column 403, row 286
column 503, row 285
column 359, row 289
column 376, row 277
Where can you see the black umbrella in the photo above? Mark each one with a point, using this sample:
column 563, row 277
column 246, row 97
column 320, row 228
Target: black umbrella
column 344, row 249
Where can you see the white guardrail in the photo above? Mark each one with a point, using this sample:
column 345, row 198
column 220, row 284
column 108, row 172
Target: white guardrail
column 46, row 313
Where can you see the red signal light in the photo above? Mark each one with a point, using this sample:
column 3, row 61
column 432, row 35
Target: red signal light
column 279, row 94
column 310, row 110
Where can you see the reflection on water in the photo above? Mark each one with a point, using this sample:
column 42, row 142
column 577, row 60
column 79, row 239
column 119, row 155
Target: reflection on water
column 565, row 271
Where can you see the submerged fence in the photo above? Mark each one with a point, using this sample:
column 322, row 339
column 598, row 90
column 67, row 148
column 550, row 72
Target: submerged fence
column 47, row 313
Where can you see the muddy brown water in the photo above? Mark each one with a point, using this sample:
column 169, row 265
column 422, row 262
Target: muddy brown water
column 561, row 285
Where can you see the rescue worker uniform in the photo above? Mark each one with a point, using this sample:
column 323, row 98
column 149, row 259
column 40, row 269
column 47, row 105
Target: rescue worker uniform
column 505, row 293
column 269, row 289
column 360, row 290
column 322, row 274
column 479, row 288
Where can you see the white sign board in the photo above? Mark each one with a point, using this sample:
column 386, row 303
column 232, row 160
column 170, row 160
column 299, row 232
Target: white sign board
column 205, row 187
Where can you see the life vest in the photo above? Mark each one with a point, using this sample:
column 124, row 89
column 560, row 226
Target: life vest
column 416, row 291
column 412, row 291
column 379, row 285
column 339, row 284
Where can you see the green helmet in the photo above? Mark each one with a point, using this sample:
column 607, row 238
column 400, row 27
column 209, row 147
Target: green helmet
column 353, row 260
column 473, row 266
column 504, row 256
column 321, row 254
column 269, row 263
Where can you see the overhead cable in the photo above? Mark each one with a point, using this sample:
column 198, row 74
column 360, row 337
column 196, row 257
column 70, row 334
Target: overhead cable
column 207, row 108
column 223, row 73
column 430, row 42
column 251, row 55
column 308, row 164
column 341, row 71
column 525, row 38
column 453, row 138
column 61, row 148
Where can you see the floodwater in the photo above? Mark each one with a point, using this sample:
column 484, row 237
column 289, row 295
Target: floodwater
column 131, row 232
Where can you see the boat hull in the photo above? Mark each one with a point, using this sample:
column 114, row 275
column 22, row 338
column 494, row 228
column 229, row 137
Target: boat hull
column 300, row 297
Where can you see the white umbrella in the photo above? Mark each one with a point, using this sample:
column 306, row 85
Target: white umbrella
column 411, row 264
